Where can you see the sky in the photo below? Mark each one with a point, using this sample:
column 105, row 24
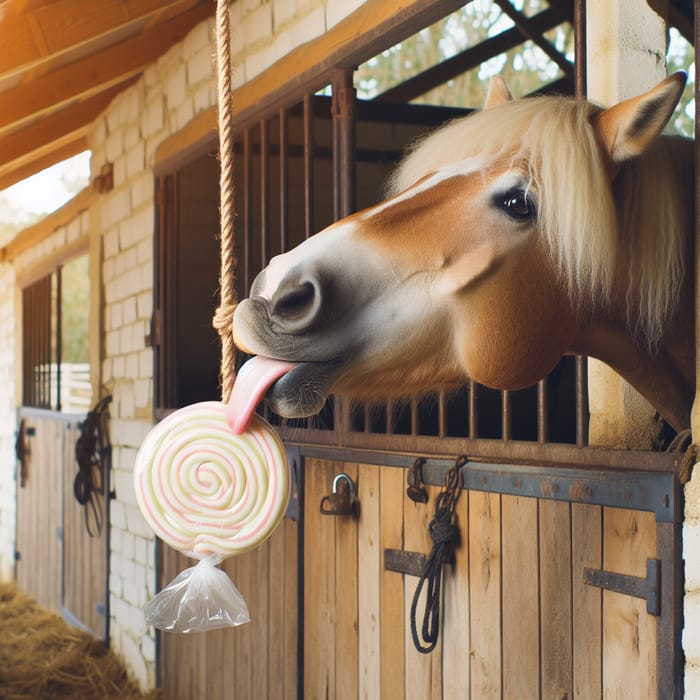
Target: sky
column 51, row 188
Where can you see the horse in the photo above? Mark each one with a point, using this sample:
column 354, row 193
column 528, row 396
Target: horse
column 528, row 230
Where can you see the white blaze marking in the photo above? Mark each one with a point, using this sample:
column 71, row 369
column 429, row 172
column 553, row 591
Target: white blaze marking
column 461, row 167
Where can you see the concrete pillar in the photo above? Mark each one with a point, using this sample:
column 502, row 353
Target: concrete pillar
column 626, row 56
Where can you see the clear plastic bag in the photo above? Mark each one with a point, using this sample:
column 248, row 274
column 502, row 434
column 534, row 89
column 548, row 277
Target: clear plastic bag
column 198, row 599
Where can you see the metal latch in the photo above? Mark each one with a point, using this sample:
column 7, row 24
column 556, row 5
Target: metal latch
column 648, row 588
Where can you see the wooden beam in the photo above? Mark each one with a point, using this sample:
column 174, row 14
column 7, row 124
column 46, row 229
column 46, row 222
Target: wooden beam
column 36, row 233
column 97, row 72
column 70, row 146
column 41, row 133
column 53, row 28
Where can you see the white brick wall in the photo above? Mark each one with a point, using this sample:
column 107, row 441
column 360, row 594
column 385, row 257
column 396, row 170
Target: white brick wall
column 8, row 421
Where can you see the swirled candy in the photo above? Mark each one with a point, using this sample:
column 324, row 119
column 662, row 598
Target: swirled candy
column 205, row 490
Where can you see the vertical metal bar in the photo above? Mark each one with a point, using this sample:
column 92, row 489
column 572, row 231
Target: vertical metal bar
column 473, row 422
column 582, row 413
column 59, row 333
column 542, row 412
column 580, row 47
column 506, row 415
column 442, row 417
column 247, row 210
column 284, row 180
column 264, row 192
column 344, row 142
column 308, row 164
column 414, row 417
column 669, row 626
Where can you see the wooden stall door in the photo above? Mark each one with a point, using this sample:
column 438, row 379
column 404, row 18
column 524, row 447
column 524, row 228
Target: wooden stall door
column 39, row 509
column 256, row 660
column 518, row 620
column 58, row 562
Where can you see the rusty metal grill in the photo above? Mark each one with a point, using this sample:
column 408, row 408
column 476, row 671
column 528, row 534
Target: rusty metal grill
column 40, row 365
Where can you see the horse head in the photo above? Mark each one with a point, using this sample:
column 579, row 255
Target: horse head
column 502, row 246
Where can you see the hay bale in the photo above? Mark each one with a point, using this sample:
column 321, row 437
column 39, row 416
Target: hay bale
column 43, row 657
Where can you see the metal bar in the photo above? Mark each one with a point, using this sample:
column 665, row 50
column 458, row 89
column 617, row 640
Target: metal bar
column 542, row 412
column 308, row 164
column 58, row 337
column 506, row 416
column 582, row 413
column 580, row 47
column 657, row 492
column 473, row 424
column 284, row 180
column 669, row 626
column 645, row 588
column 410, row 563
column 247, row 210
column 467, row 59
column 264, row 192
column 344, row 126
column 442, row 415
column 528, row 29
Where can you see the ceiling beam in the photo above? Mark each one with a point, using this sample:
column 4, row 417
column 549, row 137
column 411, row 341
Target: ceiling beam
column 97, row 72
column 69, row 146
column 41, row 132
column 50, row 29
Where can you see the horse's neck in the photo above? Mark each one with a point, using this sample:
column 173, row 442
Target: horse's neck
column 665, row 375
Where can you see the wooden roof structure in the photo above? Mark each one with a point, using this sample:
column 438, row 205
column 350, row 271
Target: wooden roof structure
column 63, row 61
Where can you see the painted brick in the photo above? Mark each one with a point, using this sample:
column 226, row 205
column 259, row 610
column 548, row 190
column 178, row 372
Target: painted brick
column 135, row 160
column 117, row 515
column 176, row 87
column 153, row 119
column 114, row 146
column 337, row 10
column 310, row 27
column 200, row 37
column 691, row 628
column 146, row 363
column 257, row 25
column 184, row 113
column 200, row 66
column 136, row 524
column 143, row 390
column 119, row 172
column 141, row 546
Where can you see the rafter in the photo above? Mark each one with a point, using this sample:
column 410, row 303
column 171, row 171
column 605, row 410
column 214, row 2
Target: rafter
column 98, row 72
column 47, row 30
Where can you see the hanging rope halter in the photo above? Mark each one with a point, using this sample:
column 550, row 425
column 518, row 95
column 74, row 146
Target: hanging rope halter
column 224, row 313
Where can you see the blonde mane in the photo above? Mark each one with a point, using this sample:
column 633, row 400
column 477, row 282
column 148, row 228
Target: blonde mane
column 595, row 235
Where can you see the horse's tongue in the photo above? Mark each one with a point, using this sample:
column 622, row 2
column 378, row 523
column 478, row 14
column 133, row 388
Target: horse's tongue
column 254, row 378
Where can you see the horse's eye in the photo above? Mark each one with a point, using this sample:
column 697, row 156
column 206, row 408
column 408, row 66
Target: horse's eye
column 518, row 205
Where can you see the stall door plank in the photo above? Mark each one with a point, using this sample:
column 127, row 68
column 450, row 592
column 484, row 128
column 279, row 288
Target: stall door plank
column 320, row 626
column 455, row 626
column 629, row 632
column 346, row 596
column 423, row 671
column 392, row 642
column 587, row 552
column 39, row 514
column 369, row 571
column 485, row 594
column 555, row 597
column 85, row 556
column 521, row 639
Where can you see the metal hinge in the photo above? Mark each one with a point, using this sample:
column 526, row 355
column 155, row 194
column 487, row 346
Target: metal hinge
column 152, row 338
column 648, row 588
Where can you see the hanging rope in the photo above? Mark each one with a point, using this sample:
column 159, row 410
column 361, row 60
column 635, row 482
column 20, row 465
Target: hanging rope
column 224, row 314
column 444, row 533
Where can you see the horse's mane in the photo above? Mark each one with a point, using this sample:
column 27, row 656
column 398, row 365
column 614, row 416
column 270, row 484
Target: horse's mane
column 594, row 234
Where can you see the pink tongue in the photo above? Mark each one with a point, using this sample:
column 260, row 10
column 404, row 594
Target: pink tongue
column 254, row 378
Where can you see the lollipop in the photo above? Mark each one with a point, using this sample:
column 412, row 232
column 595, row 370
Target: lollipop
column 211, row 493
column 203, row 489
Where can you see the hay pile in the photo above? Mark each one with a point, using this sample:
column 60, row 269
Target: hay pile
column 43, row 657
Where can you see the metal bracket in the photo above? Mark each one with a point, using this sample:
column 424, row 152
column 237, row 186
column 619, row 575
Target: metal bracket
column 294, row 459
column 648, row 588
column 411, row 563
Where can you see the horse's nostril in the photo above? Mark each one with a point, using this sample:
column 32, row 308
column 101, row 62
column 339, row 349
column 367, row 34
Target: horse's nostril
column 294, row 303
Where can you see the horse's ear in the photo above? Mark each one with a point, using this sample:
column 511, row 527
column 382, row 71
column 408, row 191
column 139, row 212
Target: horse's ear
column 498, row 92
column 630, row 126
